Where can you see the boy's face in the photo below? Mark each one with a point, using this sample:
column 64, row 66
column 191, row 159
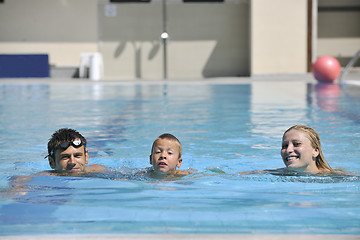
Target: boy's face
column 165, row 156
column 70, row 160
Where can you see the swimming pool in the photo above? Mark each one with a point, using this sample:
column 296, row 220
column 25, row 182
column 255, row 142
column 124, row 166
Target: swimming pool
column 224, row 128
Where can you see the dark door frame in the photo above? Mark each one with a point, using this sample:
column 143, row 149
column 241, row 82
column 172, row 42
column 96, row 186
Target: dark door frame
column 309, row 34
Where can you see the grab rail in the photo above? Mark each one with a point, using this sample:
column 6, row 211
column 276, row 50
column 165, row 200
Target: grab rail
column 348, row 66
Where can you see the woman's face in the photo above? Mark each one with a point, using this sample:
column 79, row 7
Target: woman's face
column 298, row 153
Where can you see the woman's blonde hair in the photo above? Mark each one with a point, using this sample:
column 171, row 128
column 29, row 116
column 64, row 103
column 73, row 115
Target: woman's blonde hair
column 314, row 138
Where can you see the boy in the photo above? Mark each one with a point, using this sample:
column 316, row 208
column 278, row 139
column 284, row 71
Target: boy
column 165, row 156
column 68, row 154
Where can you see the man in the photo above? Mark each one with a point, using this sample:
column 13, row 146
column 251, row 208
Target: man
column 68, row 154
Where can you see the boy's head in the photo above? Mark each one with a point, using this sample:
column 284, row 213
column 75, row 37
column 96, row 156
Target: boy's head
column 67, row 151
column 166, row 153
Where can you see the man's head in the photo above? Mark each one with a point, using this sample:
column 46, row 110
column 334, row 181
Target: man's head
column 67, row 151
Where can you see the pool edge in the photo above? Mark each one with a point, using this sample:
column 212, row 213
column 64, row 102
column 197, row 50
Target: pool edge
column 187, row 236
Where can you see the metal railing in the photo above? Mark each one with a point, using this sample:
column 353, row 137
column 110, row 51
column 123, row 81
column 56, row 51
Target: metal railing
column 348, row 66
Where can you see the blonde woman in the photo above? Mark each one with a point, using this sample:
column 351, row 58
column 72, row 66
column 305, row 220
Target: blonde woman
column 301, row 150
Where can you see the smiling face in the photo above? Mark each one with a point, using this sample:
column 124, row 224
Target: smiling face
column 298, row 153
column 165, row 156
column 70, row 160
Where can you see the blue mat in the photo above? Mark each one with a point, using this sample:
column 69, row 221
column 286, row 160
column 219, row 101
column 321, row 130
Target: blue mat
column 24, row 66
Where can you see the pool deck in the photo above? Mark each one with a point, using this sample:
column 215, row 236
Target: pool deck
column 184, row 236
column 351, row 78
column 220, row 80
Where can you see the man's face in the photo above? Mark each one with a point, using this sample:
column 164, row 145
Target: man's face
column 70, row 160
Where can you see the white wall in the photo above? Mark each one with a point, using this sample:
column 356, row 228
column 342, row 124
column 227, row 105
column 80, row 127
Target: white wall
column 278, row 36
column 63, row 29
column 206, row 40
column 234, row 38
column 338, row 29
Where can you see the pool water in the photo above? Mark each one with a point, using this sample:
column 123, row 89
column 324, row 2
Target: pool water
column 224, row 128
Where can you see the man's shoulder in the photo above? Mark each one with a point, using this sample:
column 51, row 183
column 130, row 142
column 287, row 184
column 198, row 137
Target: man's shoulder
column 95, row 168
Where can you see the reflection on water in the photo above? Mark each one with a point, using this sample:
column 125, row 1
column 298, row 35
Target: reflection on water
column 304, row 178
column 327, row 96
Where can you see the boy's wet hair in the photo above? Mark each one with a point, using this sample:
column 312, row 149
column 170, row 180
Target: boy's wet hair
column 64, row 135
column 169, row 137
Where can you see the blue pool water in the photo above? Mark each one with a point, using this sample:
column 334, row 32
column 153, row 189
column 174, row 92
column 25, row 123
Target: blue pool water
column 224, row 128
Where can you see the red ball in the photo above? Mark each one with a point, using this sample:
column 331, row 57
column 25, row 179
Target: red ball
column 326, row 69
